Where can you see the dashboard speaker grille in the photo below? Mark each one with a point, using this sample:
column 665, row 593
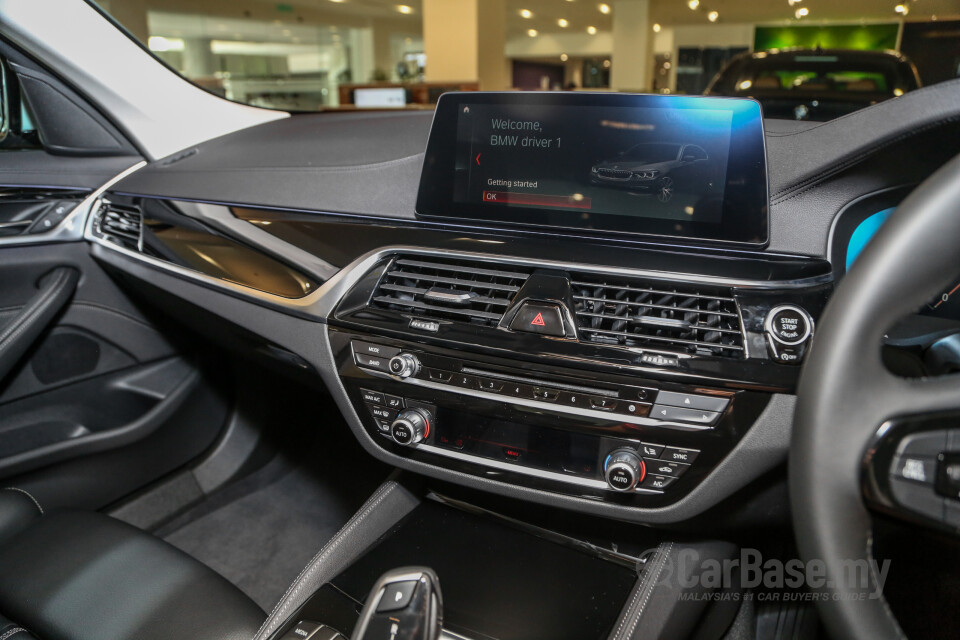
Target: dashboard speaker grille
column 677, row 318
column 450, row 289
column 121, row 224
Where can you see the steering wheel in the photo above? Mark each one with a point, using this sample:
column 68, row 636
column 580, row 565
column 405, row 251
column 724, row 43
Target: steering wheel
column 846, row 397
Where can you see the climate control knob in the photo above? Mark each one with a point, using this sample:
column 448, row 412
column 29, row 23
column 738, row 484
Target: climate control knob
column 404, row 365
column 411, row 426
column 624, row 469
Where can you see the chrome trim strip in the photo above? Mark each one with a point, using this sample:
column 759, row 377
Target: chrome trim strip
column 546, row 406
column 516, row 467
column 71, row 229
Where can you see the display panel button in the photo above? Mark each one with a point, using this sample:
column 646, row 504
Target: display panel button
column 676, row 454
column 657, row 482
column 651, row 450
column 692, row 401
column 393, row 402
column 383, row 413
column 373, row 397
column 666, row 468
column 373, row 362
column 464, row 381
column 916, row 469
column 546, row 395
column 490, row 385
column 600, row 403
column 374, row 350
column 678, row 414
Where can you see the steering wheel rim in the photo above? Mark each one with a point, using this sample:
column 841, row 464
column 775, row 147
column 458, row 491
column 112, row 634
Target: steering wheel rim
column 846, row 393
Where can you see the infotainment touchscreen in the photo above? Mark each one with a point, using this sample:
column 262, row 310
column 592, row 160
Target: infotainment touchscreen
column 690, row 167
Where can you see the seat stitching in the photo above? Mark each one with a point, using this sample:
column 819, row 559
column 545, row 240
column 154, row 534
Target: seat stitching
column 295, row 586
column 663, row 563
column 12, row 632
column 26, row 493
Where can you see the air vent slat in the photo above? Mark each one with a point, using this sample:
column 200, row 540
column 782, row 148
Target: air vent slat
column 432, row 307
column 684, row 318
column 459, row 268
column 455, row 281
column 420, row 291
column 120, row 224
column 454, row 289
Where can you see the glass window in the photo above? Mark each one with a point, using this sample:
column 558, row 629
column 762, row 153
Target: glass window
column 308, row 55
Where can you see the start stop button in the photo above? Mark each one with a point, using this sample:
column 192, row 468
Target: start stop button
column 789, row 324
column 788, row 329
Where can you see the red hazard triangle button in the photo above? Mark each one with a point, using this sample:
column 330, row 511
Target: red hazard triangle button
column 538, row 317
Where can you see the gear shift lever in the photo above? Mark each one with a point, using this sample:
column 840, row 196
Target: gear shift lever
column 404, row 604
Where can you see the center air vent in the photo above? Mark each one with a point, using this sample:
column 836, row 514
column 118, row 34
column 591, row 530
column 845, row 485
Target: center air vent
column 679, row 318
column 449, row 289
column 120, row 224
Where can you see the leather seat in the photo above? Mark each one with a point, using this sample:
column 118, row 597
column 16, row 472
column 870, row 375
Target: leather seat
column 74, row 575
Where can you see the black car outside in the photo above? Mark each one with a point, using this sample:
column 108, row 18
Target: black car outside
column 815, row 84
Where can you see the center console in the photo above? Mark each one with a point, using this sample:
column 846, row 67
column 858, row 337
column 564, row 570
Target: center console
column 622, row 387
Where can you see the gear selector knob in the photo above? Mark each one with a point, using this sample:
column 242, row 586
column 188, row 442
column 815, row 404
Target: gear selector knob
column 404, row 604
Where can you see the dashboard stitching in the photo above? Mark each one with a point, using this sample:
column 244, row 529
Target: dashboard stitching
column 323, row 169
column 788, row 193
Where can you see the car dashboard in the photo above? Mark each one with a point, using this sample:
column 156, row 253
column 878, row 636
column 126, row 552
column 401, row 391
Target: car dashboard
column 646, row 379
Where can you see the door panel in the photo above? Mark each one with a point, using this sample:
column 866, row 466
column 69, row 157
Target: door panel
column 102, row 398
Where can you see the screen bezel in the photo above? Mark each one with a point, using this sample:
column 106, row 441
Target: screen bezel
column 745, row 211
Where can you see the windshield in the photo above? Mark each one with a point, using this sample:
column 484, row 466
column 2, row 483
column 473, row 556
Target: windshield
column 310, row 55
column 652, row 153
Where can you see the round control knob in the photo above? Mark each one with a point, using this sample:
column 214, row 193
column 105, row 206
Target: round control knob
column 624, row 469
column 404, row 365
column 411, row 426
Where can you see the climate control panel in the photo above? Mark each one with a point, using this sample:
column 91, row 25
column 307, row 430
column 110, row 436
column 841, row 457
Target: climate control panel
column 615, row 437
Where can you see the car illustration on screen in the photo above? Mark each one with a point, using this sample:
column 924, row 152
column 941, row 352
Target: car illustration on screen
column 657, row 168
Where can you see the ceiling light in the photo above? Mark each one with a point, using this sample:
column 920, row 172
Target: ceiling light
column 592, row 30
column 286, row 32
column 405, row 9
column 656, row 27
column 898, row 92
column 902, row 9
column 693, row 4
column 746, row 84
column 713, row 16
column 606, row 64
column 337, row 1
column 604, row 8
column 793, row 2
column 563, row 23
column 533, row 33
column 526, row 13
column 564, row 57
column 802, row 12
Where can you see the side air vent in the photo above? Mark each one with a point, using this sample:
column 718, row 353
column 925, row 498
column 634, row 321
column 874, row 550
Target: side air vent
column 449, row 289
column 120, row 224
column 681, row 318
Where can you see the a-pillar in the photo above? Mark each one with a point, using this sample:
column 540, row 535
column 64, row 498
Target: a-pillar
column 632, row 61
column 465, row 41
column 132, row 14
